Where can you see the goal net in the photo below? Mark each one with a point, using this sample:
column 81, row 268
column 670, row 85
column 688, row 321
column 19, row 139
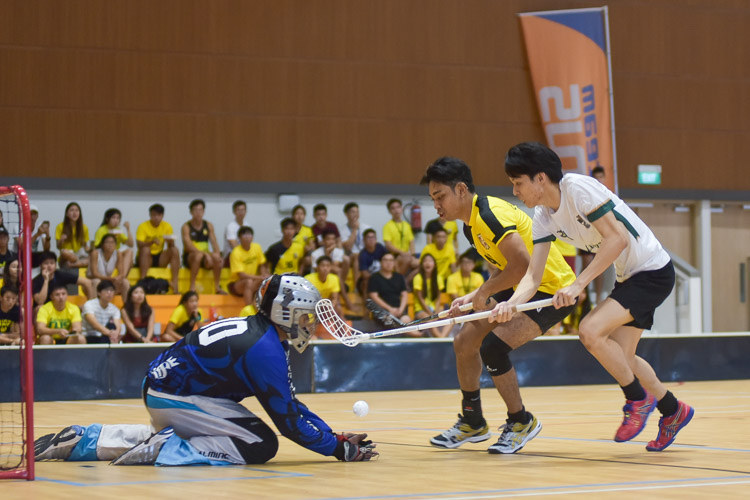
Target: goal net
column 16, row 338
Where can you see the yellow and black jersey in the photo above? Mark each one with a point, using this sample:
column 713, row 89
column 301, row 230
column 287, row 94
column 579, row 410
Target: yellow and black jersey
column 284, row 260
column 492, row 219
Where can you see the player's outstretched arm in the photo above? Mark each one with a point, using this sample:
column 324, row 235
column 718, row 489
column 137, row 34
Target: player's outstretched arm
column 354, row 448
column 528, row 285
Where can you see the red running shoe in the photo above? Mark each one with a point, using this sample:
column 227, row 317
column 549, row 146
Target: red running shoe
column 670, row 426
column 636, row 415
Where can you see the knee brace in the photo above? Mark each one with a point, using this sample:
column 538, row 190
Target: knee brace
column 494, row 354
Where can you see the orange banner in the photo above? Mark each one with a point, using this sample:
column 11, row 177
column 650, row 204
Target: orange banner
column 567, row 52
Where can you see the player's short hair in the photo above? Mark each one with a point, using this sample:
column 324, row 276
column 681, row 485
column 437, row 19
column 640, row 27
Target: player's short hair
column 368, row 231
column 391, row 202
column 238, row 203
column 320, row 206
column 287, row 221
column 55, row 287
column 449, row 171
column 351, row 204
column 9, row 288
column 196, row 202
column 105, row 285
column 326, row 232
column 244, row 230
column 531, row 158
column 156, row 207
column 47, row 255
column 323, row 258
column 597, row 170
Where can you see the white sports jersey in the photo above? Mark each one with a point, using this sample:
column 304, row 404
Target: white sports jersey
column 583, row 200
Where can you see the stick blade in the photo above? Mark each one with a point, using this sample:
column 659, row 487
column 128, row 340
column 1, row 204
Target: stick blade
column 334, row 324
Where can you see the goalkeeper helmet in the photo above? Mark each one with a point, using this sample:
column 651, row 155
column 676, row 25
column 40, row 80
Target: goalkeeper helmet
column 289, row 302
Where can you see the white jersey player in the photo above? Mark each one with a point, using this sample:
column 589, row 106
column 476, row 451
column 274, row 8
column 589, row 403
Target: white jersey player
column 581, row 211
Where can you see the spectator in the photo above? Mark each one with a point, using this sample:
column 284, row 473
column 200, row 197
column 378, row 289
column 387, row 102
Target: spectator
column 184, row 319
column 10, row 316
column 72, row 237
column 387, row 289
column 398, row 238
column 231, row 240
column 320, row 212
column 41, row 235
column 284, row 256
column 138, row 317
column 101, row 318
column 12, row 273
column 465, row 280
column 599, row 173
column 105, row 260
column 49, row 277
column 352, row 237
column 369, row 259
column 6, row 255
column 111, row 225
column 247, row 264
column 428, row 286
column 304, row 234
column 58, row 321
column 444, row 253
column 196, row 236
column 326, row 282
column 451, row 229
column 151, row 235
column 339, row 261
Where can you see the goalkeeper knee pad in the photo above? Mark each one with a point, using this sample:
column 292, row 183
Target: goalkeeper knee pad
column 494, row 354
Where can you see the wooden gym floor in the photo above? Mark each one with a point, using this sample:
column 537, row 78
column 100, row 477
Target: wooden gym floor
column 572, row 456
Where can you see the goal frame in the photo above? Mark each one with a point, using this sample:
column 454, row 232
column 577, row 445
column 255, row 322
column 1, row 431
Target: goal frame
column 25, row 471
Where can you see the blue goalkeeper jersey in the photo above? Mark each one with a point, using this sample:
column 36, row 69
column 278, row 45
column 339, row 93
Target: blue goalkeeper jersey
column 236, row 358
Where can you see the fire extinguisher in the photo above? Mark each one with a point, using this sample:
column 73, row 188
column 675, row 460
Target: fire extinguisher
column 415, row 216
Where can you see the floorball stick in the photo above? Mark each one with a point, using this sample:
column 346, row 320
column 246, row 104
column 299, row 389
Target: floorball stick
column 390, row 320
column 350, row 336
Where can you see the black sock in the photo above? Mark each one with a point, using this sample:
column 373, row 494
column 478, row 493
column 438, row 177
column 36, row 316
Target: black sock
column 667, row 405
column 633, row 391
column 472, row 408
column 522, row 416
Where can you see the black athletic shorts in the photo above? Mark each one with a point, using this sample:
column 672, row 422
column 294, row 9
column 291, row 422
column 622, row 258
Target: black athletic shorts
column 546, row 317
column 643, row 292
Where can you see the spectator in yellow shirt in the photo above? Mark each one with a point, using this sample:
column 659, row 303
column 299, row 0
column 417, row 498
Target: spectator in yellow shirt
column 184, row 319
column 399, row 239
column 151, row 237
column 445, row 254
column 247, row 263
column 327, row 282
column 72, row 237
column 111, row 225
column 465, row 280
column 428, row 285
column 58, row 321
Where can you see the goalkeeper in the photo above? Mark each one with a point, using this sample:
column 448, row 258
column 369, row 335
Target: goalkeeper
column 192, row 393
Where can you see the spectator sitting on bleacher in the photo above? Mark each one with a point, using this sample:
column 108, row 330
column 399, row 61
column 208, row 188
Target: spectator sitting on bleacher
column 6, row 255
column 72, row 237
column 326, row 281
column 247, row 264
column 387, row 289
column 231, row 240
column 12, row 273
column 369, row 259
column 353, row 236
column 322, row 224
column 304, row 233
column 101, row 318
column 49, row 276
column 451, row 229
column 58, row 321
column 150, row 237
column 399, row 238
column 339, row 261
column 184, row 319
column 428, row 286
column 464, row 280
column 105, row 260
column 111, row 225
column 138, row 317
column 444, row 253
column 10, row 316
column 41, row 235
column 284, row 256
column 197, row 234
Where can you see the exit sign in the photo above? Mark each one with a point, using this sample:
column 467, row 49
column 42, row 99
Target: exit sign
column 649, row 174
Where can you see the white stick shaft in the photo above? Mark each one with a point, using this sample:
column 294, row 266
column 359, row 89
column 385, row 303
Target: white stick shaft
column 463, row 308
column 453, row 321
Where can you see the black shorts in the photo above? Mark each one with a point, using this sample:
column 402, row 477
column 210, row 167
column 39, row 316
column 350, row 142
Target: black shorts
column 186, row 264
column 643, row 292
column 546, row 317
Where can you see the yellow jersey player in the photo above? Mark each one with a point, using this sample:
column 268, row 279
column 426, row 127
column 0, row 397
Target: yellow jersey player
column 501, row 233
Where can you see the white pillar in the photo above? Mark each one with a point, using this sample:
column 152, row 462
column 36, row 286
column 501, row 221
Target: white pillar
column 703, row 253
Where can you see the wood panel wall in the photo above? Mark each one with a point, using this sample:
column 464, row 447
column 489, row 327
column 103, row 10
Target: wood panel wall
column 350, row 91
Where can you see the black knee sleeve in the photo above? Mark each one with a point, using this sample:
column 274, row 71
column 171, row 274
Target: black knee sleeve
column 494, row 354
column 261, row 451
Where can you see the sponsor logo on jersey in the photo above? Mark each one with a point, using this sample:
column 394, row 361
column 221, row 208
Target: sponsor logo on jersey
column 161, row 371
column 481, row 240
column 581, row 221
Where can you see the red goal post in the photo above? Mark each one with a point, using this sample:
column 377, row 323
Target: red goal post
column 17, row 391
